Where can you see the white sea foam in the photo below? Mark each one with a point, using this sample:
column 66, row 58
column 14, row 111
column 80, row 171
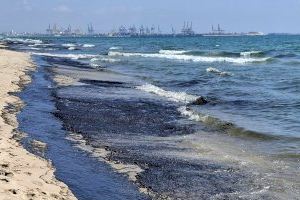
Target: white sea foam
column 216, row 71
column 40, row 44
column 95, row 65
column 193, row 116
column 115, row 48
column 190, row 58
column 69, row 45
column 88, row 45
column 34, row 48
column 249, row 53
column 71, row 48
column 172, row 52
column 211, row 69
column 71, row 56
column 26, row 41
column 105, row 59
column 174, row 96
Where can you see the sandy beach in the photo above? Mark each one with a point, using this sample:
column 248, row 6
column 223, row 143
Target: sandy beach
column 22, row 174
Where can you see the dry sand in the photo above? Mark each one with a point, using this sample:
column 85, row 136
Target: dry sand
column 22, row 174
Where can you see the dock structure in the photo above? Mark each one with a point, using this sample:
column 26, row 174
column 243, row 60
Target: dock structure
column 133, row 31
column 187, row 29
column 57, row 30
column 217, row 31
column 123, row 31
column 54, row 30
column 91, row 30
column 144, row 31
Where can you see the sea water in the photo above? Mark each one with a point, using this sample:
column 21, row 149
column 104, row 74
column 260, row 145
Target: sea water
column 251, row 84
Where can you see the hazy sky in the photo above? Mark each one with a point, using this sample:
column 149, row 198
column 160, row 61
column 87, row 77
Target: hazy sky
column 233, row 15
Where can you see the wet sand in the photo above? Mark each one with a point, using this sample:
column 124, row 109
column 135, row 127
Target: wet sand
column 23, row 175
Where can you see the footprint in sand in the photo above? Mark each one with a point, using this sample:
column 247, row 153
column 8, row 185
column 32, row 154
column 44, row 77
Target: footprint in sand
column 5, row 173
column 14, row 191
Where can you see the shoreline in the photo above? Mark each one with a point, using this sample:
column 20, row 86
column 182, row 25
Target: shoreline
column 170, row 144
column 62, row 78
column 194, row 153
column 23, row 175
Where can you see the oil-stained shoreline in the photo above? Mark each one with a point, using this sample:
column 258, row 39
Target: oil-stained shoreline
column 252, row 161
column 142, row 137
column 88, row 178
column 22, row 174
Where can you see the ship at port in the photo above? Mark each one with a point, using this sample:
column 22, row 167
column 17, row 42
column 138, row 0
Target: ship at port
column 221, row 32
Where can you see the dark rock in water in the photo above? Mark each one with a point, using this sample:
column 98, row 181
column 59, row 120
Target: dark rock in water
column 200, row 101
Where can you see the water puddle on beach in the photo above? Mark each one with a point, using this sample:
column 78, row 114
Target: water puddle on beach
column 86, row 176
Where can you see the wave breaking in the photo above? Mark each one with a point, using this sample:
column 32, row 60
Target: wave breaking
column 223, row 126
column 173, row 96
column 70, row 56
column 192, row 58
column 218, row 72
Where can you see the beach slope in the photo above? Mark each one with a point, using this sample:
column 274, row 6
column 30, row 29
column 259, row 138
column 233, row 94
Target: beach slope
column 22, row 174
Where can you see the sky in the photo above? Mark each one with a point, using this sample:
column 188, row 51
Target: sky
column 233, row 15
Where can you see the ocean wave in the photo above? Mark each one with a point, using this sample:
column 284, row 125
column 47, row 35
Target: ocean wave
column 70, row 56
column 286, row 55
column 71, row 48
column 104, row 59
column 115, row 48
column 172, row 52
column 223, row 126
column 69, row 45
column 34, row 48
column 24, row 41
column 190, row 57
column 216, row 71
column 222, row 54
column 41, row 44
column 174, row 96
column 194, row 116
column 88, row 45
column 95, row 65
column 250, row 53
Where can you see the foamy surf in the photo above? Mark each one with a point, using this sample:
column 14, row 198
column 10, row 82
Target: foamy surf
column 192, row 115
column 70, row 56
column 173, row 96
column 223, row 126
column 172, row 52
column 71, row 48
column 208, row 120
column 104, row 59
column 249, row 53
column 40, row 44
column 216, row 71
column 190, row 58
column 115, row 48
column 88, row 45
column 68, row 45
column 25, row 41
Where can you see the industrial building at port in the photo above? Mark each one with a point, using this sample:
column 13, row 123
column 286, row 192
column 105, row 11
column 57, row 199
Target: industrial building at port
column 142, row 31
